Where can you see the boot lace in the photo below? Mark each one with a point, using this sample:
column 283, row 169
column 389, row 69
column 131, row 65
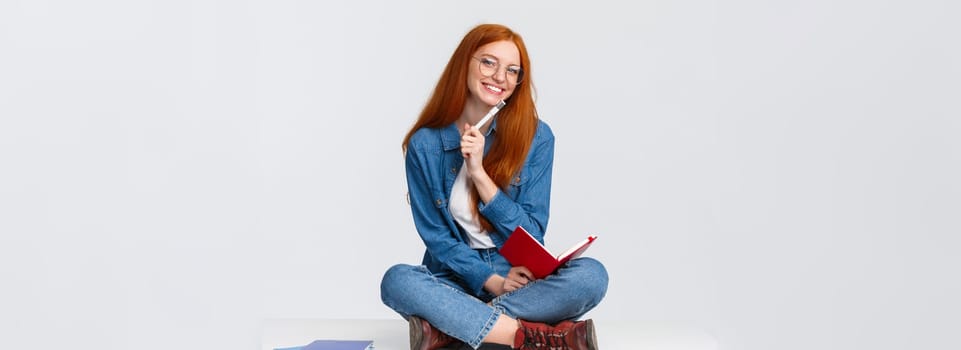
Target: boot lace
column 544, row 339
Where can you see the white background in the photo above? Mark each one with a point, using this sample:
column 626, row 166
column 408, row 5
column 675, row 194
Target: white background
column 781, row 175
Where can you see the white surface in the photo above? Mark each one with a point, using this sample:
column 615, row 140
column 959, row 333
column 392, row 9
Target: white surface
column 393, row 334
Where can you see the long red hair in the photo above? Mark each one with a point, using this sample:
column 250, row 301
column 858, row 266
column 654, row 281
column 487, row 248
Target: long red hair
column 516, row 122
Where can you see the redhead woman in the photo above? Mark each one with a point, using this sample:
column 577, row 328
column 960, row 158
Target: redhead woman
column 470, row 184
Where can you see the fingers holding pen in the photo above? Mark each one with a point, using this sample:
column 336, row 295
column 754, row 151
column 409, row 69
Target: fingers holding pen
column 472, row 142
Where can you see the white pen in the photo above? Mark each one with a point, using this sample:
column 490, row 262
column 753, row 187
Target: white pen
column 488, row 117
column 490, row 114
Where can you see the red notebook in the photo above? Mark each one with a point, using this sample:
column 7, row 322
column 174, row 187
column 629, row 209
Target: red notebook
column 521, row 249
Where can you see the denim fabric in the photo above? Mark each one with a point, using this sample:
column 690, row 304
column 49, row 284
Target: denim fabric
column 433, row 160
column 443, row 300
column 447, row 290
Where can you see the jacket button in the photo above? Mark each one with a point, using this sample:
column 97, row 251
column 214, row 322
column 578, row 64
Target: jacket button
column 439, row 202
column 453, row 170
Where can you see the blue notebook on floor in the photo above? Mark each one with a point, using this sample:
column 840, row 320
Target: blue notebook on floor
column 335, row 345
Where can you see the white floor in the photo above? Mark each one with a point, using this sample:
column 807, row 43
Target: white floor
column 392, row 334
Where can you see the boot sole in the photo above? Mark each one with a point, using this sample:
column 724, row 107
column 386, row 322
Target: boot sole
column 416, row 334
column 591, row 335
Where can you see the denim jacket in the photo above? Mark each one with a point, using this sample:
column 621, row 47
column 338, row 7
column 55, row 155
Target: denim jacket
column 433, row 160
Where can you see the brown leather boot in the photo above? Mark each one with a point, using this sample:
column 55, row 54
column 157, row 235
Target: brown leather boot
column 423, row 336
column 567, row 335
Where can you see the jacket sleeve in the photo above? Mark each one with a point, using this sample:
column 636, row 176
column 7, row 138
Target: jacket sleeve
column 531, row 206
column 434, row 228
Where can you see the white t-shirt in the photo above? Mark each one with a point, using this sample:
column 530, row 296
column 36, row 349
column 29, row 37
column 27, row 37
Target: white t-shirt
column 460, row 208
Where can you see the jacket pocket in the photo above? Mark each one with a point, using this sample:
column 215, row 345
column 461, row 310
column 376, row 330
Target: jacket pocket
column 517, row 182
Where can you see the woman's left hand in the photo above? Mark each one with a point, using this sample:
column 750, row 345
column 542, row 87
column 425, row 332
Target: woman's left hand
column 517, row 277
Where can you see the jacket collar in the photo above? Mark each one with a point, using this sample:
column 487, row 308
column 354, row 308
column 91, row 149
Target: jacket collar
column 450, row 135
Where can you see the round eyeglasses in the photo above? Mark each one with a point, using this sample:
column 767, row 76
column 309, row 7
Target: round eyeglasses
column 489, row 66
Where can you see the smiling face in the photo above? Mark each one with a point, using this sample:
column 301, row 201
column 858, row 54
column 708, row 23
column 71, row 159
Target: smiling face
column 490, row 90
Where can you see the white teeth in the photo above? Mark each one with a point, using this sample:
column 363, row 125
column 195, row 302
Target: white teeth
column 493, row 88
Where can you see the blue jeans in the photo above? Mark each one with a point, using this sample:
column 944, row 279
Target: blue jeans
column 440, row 298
